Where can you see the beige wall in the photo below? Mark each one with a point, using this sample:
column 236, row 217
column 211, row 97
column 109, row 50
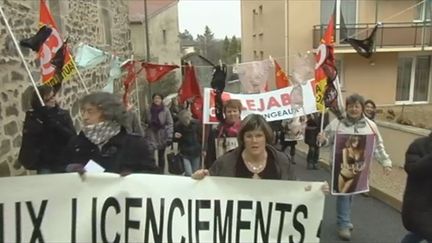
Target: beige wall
column 303, row 15
column 376, row 81
column 403, row 135
column 160, row 51
column 389, row 8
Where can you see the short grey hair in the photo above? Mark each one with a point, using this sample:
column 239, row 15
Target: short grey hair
column 111, row 106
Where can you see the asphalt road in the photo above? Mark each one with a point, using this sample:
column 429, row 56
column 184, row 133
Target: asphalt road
column 373, row 220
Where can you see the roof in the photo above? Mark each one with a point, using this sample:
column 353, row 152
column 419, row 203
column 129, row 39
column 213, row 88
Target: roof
column 136, row 8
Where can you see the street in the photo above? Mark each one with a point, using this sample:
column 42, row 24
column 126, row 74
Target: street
column 373, row 220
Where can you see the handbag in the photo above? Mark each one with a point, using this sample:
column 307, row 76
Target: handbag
column 175, row 163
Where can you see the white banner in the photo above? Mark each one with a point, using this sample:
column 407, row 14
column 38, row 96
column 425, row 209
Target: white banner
column 152, row 208
column 280, row 104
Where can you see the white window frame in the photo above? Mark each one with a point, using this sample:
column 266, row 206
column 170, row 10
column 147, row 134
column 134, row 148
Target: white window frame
column 412, row 80
column 423, row 14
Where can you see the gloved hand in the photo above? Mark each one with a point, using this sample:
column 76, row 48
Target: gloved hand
column 219, row 77
column 75, row 168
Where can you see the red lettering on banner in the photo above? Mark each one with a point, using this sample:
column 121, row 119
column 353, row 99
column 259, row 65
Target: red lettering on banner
column 273, row 103
column 262, row 105
column 286, row 99
column 250, row 105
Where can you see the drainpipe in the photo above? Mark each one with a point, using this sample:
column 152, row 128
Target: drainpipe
column 147, row 43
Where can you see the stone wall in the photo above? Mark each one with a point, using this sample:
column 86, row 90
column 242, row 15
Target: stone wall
column 82, row 21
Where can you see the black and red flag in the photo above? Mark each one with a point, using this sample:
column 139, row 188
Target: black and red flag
column 55, row 59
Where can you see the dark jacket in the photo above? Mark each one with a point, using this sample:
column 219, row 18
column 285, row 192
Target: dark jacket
column 228, row 164
column 122, row 153
column 46, row 132
column 313, row 127
column 190, row 142
column 417, row 201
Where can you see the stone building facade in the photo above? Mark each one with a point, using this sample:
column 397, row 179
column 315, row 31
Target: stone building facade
column 101, row 23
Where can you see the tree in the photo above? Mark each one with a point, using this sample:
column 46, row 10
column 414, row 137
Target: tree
column 186, row 35
column 234, row 49
column 205, row 41
column 225, row 49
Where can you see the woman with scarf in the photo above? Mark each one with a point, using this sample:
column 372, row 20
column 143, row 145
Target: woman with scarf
column 160, row 129
column 354, row 123
column 104, row 139
column 46, row 132
column 224, row 138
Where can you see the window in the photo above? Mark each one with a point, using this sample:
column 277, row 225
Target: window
column 413, row 79
column 423, row 12
column 255, row 55
column 348, row 8
column 105, row 17
column 261, row 55
column 260, row 9
column 164, row 36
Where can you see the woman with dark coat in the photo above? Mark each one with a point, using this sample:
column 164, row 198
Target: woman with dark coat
column 417, row 201
column 104, row 139
column 46, row 132
column 188, row 134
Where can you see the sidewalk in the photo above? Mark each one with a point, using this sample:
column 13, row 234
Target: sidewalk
column 388, row 189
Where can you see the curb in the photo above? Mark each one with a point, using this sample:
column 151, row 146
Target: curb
column 374, row 192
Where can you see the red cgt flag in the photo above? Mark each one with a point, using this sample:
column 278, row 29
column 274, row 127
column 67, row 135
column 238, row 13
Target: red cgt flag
column 190, row 89
column 154, row 72
column 281, row 78
column 53, row 74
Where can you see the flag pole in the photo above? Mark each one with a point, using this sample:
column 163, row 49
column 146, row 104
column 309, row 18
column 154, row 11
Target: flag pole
column 286, row 36
column 21, row 56
column 79, row 73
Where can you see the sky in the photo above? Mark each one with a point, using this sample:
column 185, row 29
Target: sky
column 221, row 16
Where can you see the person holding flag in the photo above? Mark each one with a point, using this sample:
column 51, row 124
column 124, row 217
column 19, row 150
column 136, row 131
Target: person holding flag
column 46, row 132
column 357, row 124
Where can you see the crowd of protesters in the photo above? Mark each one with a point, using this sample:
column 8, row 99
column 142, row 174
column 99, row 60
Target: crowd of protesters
column 111, row 135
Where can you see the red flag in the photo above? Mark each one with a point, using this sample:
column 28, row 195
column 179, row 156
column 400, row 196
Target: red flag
column 154, row 72
column 190, row 89
column 129, row 80
column 50, row 48
column 281, row 78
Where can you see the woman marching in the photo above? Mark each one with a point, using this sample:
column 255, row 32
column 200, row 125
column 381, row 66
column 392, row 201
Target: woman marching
column 160, row 129
column 354, row 123
column 46, row 132
column 104, row 139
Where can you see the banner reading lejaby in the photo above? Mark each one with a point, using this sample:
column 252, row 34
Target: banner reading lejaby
column 108, row 208
column 289, row 102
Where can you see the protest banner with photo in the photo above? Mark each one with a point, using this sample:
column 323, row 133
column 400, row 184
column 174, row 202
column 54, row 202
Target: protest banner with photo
column 104, row 207
column 289, row 102
column 352, row 155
